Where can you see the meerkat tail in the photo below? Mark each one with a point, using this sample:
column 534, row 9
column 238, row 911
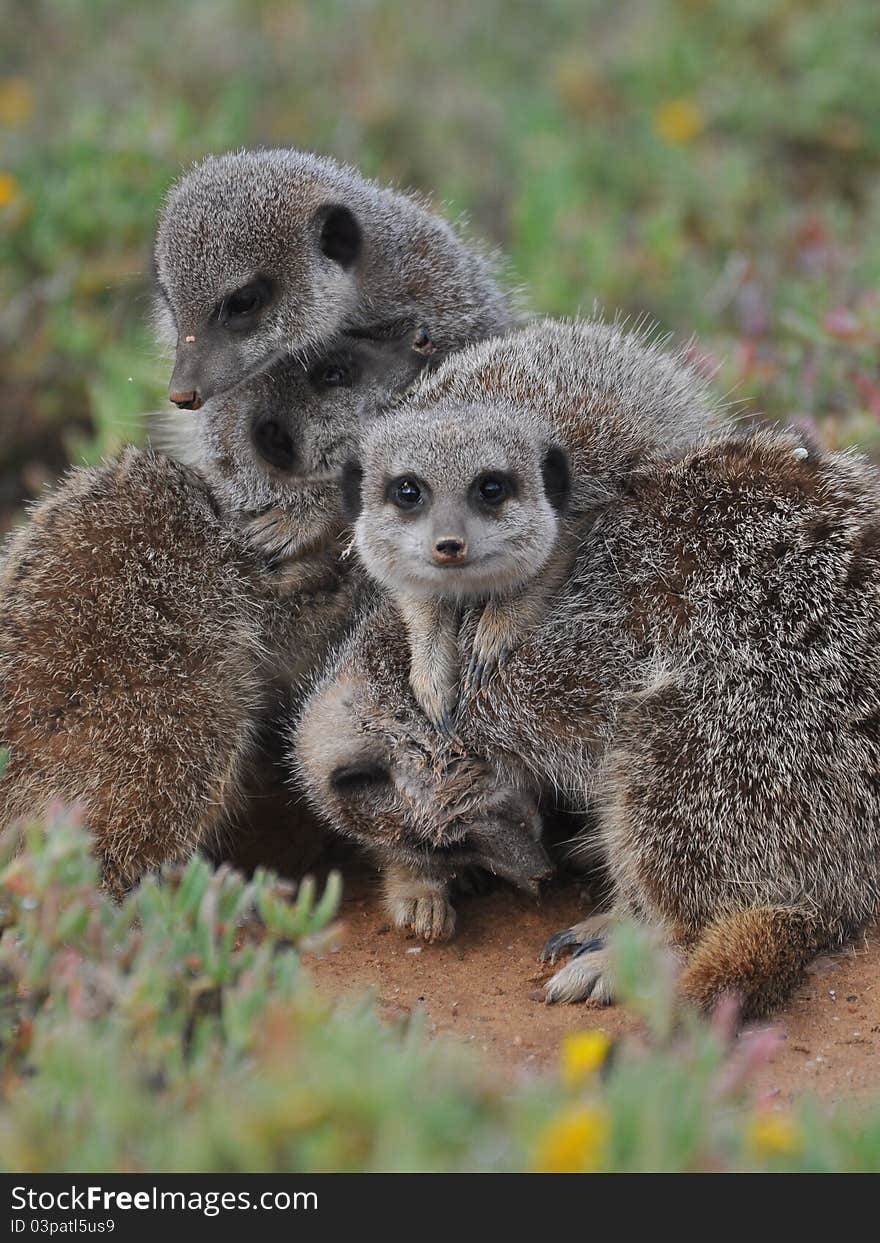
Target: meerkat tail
column 756, row 955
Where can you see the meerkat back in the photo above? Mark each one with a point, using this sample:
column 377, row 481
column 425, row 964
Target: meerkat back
column 128, row 655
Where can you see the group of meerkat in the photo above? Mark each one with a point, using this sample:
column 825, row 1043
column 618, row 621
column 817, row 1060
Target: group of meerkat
column 428, row 568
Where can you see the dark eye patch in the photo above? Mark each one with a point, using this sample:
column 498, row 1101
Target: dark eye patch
column 406, row 492
column 334, row 372
column 492, row 489
column 239, row 309
column 358, row 777
column 275, row 444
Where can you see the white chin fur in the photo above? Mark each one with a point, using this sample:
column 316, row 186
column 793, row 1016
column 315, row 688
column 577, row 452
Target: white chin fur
column 474, row 581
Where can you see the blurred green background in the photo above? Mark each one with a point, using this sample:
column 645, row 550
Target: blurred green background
column 714, row 163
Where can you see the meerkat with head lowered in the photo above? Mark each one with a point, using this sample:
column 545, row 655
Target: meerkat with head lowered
column 266, row 255
column 450, row 513
column 263, row 254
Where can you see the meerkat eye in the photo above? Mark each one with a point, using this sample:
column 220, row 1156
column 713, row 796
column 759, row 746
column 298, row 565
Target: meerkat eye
column 405, row 493
column 493, row 489
column 333, row 372
column 275, row 444
column 243, row 302
column 239, row 307
column 334, row 376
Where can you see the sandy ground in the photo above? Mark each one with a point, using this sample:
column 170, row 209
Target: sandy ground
column 479, row 989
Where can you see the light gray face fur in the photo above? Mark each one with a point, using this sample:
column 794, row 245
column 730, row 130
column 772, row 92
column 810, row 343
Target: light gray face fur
column 242, row 223
column 268, row 253
column 453, row 506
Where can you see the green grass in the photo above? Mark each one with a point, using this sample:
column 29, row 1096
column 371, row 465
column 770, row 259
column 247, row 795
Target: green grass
column 714, row 163
column 179, row 1031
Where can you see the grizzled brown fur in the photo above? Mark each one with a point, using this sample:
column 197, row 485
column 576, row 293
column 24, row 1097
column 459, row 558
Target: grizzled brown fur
column 225, row 583
column 129, row 660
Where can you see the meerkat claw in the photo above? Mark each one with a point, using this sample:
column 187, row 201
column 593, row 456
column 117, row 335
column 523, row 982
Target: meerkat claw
column 582, row 938
column 554, row 945
column 473, row 673
column 491, row 666
column 444, row 724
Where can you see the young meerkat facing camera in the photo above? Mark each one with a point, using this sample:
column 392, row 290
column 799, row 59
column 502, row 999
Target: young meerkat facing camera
column 453, row 512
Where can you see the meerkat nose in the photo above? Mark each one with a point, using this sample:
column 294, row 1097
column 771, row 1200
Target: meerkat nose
column 186, row 401
column 449, row 551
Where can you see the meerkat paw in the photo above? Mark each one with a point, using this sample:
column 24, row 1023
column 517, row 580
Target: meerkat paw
column 589, row 933
column 271, row 536
column 586, row 976
column 419, row 905
column 493, row 642
column 439, row 702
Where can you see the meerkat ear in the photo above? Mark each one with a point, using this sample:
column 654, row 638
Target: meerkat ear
column 557, row 477
column 352, row 477
column 340, row 234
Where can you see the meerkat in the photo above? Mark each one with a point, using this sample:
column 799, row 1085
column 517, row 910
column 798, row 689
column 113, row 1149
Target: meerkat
column 448, row 514
column 264, row 254
column 707, row 678
column 607, row 398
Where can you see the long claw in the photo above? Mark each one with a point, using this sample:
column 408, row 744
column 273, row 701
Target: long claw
column 554, row 945
column 590, row 947
column 475, row 674
column 560, row 941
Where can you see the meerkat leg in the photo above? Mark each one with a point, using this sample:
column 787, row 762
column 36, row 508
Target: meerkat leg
column 503, row 625
column 432, row 627
column 506, row 622
column 419, row 902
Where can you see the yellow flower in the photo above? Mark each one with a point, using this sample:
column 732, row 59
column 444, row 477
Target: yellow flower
column 10, row 190
column 581, row 1054
column 16, row 101
column 573, row 1143
column 678, row 121
column 773, row 1135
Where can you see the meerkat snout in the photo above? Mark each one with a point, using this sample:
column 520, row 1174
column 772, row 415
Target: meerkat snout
column 449, row 551
column 188, row 400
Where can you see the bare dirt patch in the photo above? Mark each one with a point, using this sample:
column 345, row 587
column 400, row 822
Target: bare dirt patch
column 477, row 989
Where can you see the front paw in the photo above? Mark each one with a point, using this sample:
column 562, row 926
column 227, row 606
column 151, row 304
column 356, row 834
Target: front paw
column 439, row 702
column 587, row 976
column 422, row 909
column 273, row 537
column 493, row 643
